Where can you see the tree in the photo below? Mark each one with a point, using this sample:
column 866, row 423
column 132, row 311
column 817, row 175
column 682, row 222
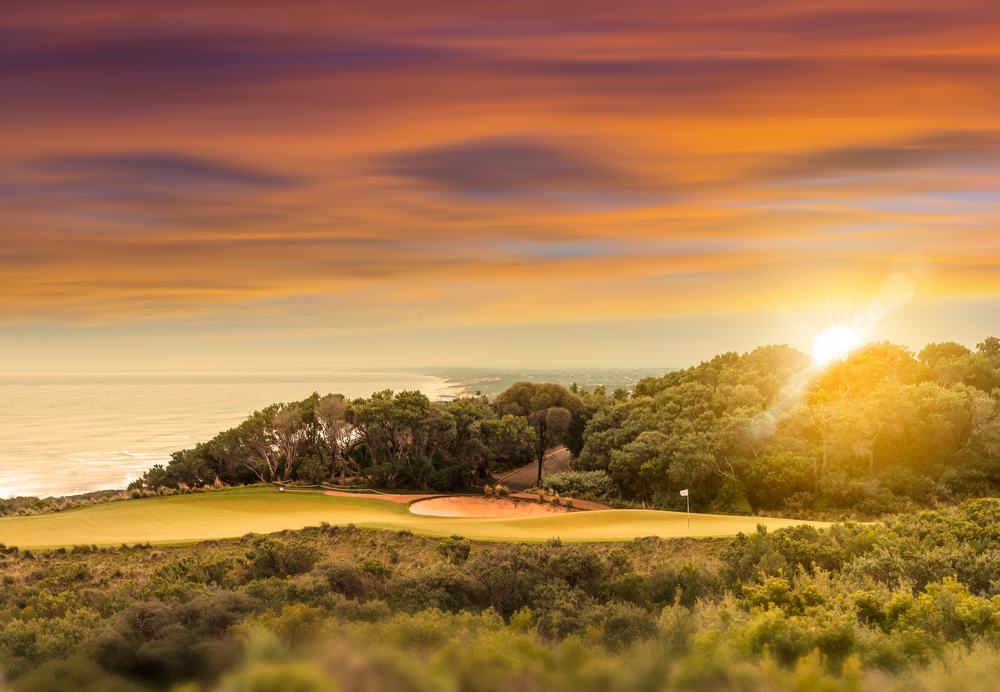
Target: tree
column 268, row 441
column 823, row 413
column 869, row 366
column 627, row 463
column 331, row 419
column 287, row 429
column 951, row 362
column 690, row 457
column 871, row 417
column 990, row 350
column 932, row 353
column 549, row 409
column 509, row 437
column 400, row 433
column 777, row 474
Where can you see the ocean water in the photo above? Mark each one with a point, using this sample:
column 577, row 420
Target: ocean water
column 62, row 434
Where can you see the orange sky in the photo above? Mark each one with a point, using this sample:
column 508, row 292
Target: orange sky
column 235, row 184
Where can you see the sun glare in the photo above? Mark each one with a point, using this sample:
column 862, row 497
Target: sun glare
column 834, row 344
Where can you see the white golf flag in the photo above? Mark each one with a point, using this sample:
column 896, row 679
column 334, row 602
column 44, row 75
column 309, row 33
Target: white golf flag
column 684, row 493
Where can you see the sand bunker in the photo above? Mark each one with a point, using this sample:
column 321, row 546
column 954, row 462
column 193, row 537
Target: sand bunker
column 483, row 507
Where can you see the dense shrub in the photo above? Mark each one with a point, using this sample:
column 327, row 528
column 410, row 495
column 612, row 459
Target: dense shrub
column 73, row 674
column 732, row 498
column 155, row 640
column 559, row 609
column 444, row 587
column 269, row 557
column 454, row 550
column 667, row 586
column 776, row 475
column 343, row 578
column 622, row 624
column 593, row 483
column 449, row 479
column 580, row 566
column 797, row 608
column 503, row 570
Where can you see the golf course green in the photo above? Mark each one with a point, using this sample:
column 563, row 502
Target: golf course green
column 228, row 514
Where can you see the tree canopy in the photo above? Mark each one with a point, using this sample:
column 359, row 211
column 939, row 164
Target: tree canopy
column 549, row 408
column 881, row 430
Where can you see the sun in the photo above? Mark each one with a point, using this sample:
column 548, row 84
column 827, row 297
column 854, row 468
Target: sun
column 834, row 344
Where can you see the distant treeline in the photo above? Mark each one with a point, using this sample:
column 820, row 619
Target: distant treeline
column 878, row 432
column 388, row 440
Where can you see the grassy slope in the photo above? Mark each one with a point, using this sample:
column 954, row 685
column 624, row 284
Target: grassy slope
column 188, row 518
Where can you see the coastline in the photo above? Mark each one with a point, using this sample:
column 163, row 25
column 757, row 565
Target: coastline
column 112, row 427
column 115, row 426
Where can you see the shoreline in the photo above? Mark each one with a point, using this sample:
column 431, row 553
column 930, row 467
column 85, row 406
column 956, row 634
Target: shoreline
column 152, row 415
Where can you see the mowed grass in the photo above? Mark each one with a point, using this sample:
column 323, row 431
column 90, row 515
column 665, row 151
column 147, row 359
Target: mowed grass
column 229, row 514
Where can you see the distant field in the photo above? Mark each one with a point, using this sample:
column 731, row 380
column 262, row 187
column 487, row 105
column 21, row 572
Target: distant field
column 190, row 518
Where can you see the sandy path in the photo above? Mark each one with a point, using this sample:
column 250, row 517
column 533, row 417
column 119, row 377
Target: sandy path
column 525, row 477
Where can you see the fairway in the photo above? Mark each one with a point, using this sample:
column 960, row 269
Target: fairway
column 233, row 513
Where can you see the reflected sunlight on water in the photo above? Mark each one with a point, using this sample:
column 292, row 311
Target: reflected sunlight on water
column 70, row 433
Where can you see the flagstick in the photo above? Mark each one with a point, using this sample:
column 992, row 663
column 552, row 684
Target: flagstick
column 688, row 496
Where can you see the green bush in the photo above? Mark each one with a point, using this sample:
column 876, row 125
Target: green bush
column 367, row 611
column 343, row 578
column 154, row 640
column 295, row 676
column 580, row 566
column 454, row 550
column 732, row 498
column 776, row 474
column 666, row 586
column 312, row 469
column 560, row 610
column 374, row 570
column 74, row 674
column 449, row 479
column 270, row 557
column 310, row 589
column 622, row 624
column 593, row 483
column 505, row 572
column 443, row 587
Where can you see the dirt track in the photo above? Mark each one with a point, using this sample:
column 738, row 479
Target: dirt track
column 525, row 477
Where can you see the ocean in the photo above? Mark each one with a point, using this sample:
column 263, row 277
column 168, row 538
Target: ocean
column 63, row 434
column 70, row 433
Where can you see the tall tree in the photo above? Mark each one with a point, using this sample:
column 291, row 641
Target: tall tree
column 549, row 409
column 823, row 413
column 268, row 441
column 336, row 432
column 990, row 350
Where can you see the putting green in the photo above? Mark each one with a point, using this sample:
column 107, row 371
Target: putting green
column 228, row 514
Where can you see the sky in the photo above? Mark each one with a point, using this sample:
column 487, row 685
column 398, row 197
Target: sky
column 259, row 185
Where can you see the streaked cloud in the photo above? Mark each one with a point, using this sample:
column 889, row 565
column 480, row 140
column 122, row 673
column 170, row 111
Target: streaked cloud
column 498, row 168
column 162, row 170
column 375, row 161
column 931, row 152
